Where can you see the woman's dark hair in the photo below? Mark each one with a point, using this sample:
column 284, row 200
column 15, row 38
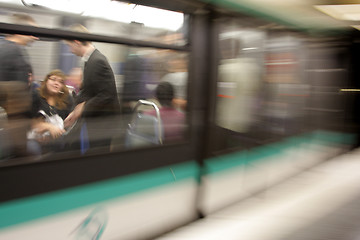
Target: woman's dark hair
column 165, row 93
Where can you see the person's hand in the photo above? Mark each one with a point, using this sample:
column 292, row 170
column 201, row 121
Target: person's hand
column 70, row 120
column 56, row 132
column 179, row 103
column 74, row 115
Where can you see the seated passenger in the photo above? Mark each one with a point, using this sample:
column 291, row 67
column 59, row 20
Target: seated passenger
column 51, row 104
column 173, row 121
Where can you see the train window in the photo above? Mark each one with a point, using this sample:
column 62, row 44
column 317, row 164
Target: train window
column 68, row 100
column 287, row 89
column 240, row 70
column 160, row 77
column 260, row 95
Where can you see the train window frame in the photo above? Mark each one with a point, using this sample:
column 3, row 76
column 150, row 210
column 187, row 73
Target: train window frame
column 240, row 21
column 51, row 34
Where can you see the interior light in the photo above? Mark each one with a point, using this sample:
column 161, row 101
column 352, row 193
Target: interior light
column 348, row 12
column 164, row 19
column 111, row 10
column 71, row 6
column 249, row 48
column 116, row 11
column 356, row 27
column 349, row 90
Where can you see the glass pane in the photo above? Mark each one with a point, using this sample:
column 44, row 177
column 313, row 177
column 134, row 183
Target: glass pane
column 239, row 87
column 286, row 87
column 101, row 83
column 261, row 93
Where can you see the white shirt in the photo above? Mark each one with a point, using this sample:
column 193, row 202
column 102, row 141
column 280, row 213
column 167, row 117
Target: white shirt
column 88, row 53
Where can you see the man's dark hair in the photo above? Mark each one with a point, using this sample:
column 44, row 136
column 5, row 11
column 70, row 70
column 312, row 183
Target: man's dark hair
column 165, row 93
column 21, row 18
column 77, row 27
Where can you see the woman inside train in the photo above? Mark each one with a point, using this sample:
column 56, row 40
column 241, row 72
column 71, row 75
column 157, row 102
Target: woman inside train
column 51, row 104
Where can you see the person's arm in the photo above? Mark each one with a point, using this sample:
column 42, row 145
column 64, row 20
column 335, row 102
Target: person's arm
column 74, row 115
column 41, row 127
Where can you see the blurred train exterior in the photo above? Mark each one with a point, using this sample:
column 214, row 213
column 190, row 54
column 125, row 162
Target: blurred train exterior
column 263, row 103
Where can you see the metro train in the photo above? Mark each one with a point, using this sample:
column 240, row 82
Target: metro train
column 263, row 99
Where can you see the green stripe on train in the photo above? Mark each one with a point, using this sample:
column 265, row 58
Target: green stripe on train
column 263, row 153
column 259, row 10
column 31, row 208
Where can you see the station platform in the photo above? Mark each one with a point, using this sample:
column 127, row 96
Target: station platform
column 321, row 203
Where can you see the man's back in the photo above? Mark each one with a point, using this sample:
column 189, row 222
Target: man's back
column 98, row 89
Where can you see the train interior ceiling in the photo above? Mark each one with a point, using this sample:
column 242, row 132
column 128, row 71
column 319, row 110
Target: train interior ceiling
column 211, row 103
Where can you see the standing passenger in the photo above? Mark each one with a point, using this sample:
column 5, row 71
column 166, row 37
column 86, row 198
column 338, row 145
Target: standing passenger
column 15, row 77
column 97, row 102
column 14, row 60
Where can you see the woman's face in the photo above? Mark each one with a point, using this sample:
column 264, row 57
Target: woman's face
column 54, row 84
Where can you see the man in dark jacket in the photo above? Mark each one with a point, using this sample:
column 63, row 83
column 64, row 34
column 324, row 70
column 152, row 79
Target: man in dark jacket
column 97, row 102
column 14, row 60
column 15, row 98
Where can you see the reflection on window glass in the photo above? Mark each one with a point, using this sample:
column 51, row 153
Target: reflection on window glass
column 239, row 86
column 287, row 91
column 261, row 94
column 84, row 97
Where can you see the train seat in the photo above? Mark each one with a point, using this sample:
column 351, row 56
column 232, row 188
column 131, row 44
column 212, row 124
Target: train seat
column 144, row 129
